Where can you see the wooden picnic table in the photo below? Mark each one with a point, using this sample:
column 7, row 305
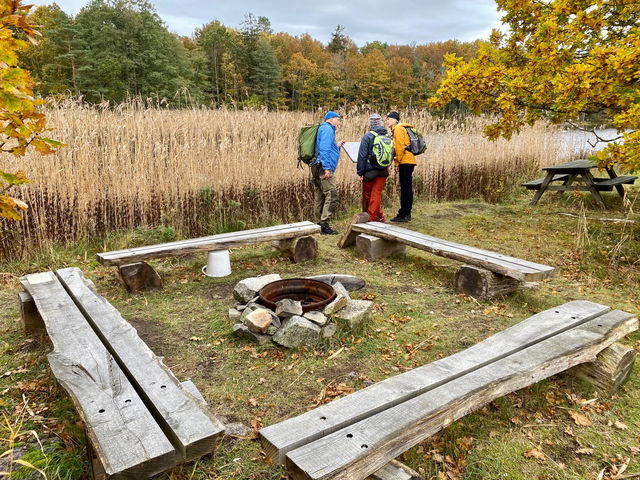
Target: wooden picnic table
column 578, row 171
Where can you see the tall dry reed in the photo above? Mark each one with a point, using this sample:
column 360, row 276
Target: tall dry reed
column 203, row 171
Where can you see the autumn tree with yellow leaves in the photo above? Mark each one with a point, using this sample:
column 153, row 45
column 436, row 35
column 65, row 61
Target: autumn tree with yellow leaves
column 561, row 60
column 21, row 125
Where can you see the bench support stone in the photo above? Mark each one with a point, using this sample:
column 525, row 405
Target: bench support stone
column 139, row 276
column 483, row 284
column 299, row 249
column 394, row 470
column 372, row 248
column 610, row 370
column 31, row 319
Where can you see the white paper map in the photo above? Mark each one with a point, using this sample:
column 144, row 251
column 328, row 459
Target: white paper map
column 352, row 150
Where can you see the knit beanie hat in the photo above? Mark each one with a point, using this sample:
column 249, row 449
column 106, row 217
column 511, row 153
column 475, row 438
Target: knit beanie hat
column 394, row 115
column 375, row 120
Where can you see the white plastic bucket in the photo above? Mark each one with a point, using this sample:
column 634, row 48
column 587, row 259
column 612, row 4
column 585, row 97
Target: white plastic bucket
column 218, row 264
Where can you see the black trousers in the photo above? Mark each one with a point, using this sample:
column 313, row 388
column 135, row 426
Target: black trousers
column 405, row 172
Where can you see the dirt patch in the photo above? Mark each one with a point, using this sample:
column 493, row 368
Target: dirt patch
column 445, row 215
column 470, row 206
column 151, row 333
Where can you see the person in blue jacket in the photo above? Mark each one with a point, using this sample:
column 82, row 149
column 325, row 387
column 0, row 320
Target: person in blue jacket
column 323, row 171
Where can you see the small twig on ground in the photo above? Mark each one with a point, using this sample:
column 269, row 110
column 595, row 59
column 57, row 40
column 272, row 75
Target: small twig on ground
column 602, row 219
column 297, row 378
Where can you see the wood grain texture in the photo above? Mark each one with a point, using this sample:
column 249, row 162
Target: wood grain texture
column 610, row 369
column 124, row 434
column 299, row 249
column 294, row 432
column 348, row 238
column 483, row 284
column 222, row 241
column 359, row 450
column 519, row 269
column 395, row 470
column 183, row 418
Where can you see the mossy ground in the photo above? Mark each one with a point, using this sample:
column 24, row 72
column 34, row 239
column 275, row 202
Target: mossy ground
column 418, row 318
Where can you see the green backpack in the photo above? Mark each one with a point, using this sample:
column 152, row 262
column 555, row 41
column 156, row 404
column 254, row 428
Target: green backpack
column 307, row 144
column 382, row 151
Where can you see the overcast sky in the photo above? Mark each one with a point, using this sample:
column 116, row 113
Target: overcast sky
column 394, row 22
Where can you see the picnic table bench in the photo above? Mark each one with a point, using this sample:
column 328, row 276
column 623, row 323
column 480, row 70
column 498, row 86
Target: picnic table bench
column 294, row 239
column 139, row 419
column 578, row 171
column 354, row 436
column 486, row 274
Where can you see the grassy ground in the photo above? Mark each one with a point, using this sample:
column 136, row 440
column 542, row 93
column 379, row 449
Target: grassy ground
column 418, row 318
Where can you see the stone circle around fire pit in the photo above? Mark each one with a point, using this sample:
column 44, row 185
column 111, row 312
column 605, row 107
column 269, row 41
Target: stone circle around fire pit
column 289, row 324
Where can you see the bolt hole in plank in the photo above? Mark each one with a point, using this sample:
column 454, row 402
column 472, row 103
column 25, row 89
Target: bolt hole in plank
column 127, row 401
column 101, row 410
column 163, row 386
column 364, row 446
column 349, row 435
column 323, row 418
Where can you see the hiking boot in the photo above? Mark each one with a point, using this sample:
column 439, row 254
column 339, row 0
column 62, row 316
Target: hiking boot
column 325, row 229
column 398, row 219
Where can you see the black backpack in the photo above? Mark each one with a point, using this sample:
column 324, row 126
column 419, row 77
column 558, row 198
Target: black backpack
column 417, row 145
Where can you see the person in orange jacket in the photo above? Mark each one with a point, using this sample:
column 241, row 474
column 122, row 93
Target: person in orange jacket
column 404, row 162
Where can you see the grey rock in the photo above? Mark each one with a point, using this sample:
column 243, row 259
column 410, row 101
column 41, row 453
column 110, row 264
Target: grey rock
column 272, row 330
column 296, row 332
column 355, row 313
column 288, row 307
column 316, row 317
column 234, row 315
column 329, row 331
column 341, row 300
column 243, row 332
column 238, row 430
column 247, row 289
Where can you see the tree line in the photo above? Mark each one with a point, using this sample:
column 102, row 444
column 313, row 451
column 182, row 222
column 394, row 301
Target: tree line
column 114, row 49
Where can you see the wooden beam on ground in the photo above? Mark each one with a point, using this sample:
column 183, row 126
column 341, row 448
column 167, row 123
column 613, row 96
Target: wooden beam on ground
column 348, row 238
column 124, row 434
column 519, row 269
column 610, row 369
column 357, row 451
column 184, row 419
column 31, row 319
column 222, row 241
column 279, row 439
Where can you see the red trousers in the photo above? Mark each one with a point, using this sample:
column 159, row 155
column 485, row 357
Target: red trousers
column 372, row 192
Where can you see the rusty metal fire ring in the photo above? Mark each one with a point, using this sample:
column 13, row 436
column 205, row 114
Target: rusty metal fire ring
column 312, row 294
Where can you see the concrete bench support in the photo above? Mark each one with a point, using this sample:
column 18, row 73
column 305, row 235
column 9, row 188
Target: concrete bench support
column 372, row 248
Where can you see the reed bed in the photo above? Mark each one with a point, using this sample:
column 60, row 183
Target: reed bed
column 200, row 171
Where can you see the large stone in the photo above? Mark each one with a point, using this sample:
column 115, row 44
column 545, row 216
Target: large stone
column 242, row 331
column 341, row 300
column 355, row 313
column 349, row 282
column 252, row 307
column 259, row 320
column 296, row 332
column 248, row 288
column 288, row 307
column 316, row 317
column 329, row 330
column 234, row 315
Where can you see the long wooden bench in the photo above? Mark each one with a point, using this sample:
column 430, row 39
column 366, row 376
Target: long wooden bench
column 486, row 274
column 294, row 239
column 139, row 419
column 354, row 436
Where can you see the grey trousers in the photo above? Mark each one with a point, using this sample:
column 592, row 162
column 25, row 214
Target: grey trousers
column 326, row 197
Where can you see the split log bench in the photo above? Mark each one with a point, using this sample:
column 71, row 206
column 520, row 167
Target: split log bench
column 354, row 436
column 485, row 274
column 139, row 419
column 294, row 239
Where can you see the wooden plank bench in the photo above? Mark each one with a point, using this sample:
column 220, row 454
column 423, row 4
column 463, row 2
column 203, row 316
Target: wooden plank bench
column 607, row 184
column 485, row 274
column 140, row 420
column 354, row 436
column 294, row 239
column 537, row 183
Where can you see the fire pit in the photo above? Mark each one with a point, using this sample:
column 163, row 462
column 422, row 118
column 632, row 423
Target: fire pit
column 312, row 294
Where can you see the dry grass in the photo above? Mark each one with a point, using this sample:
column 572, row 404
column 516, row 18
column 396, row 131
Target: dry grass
column 203, row 171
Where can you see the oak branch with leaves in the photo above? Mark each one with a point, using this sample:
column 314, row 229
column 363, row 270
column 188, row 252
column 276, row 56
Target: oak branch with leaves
column 21, row 125
column 561, row 60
